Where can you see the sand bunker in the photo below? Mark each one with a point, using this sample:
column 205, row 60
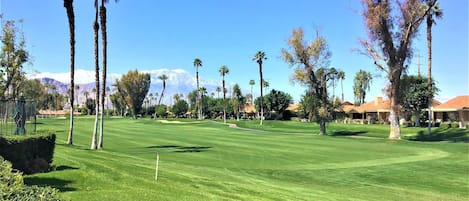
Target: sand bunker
column 174, row 122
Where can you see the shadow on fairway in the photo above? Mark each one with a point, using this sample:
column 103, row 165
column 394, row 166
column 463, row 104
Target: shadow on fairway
column 65, row 167
column 450, row 134
column 59, row 184
column 348, row 133
column 181, row 149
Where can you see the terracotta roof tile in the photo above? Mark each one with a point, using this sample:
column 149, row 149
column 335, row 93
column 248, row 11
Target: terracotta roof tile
column 457, row 103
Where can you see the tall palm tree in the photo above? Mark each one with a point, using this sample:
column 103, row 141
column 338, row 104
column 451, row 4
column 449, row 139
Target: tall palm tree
column 218, row 91
column 197, row 64
column 341, row 76
column 259, row 57
column 252, row 83
column 96, row 59
column 68, row 4
column 103, row 21
column 77, row 87
column 151, row 98
column 434, row 11
column 223, row 71
column 333, row 75
column 162, row 78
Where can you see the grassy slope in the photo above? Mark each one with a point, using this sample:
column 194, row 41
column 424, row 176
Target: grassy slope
column 208, row 161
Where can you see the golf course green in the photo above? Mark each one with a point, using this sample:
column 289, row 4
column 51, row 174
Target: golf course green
column 206, row 160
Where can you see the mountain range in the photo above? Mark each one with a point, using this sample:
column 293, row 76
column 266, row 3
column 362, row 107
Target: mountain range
column 179, row 82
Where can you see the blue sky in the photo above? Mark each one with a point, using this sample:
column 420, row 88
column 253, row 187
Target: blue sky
column 150, row 35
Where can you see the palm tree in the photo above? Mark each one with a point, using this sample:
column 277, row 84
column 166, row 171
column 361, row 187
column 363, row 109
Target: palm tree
column 162, row 78
column 252, row 83
column 86, row 93
column 68, row 4
column 96, row 59
column 151, row 98
column 197, row 64
column 341, row 76
column 259, row 57
column 438, row 13
column 77, row 87
column 361, row 85
column 333, row 75
column 223, row 71
column 218, row 91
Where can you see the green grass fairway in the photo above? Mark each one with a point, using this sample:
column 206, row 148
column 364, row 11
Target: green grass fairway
column 209, row 161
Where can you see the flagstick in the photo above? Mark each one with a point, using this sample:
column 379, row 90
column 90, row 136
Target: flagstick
column 156, row 169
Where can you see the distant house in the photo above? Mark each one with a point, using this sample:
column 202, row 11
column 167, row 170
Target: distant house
column 374, row 111
column 456, row 109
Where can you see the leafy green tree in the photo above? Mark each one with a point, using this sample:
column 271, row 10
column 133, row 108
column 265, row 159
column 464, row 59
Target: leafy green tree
column 118, row 102
column 180, row 108
column 275, row 102
column 391, row 33
column 415, row 95
column 161, row 110
column 223, row 71
column 278, row 101
column 259, row 57
column 13, row 56
column 68, row 4
column 361, row 84
column 434, row 10
column 90, row 106
column 311, row 61
column 134, row 87
column 238, row 100
column 34, row 90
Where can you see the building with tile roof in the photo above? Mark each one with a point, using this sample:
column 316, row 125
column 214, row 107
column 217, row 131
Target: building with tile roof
column 456, row 109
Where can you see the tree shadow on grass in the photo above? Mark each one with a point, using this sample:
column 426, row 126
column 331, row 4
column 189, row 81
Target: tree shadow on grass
column 65, row 167
column 59, row 184
column 348, row 133
column 450, row 134
column 181, row 149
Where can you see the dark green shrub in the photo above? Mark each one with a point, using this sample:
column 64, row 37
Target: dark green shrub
column 29, row 154
column 449, row 125
column 13, row 188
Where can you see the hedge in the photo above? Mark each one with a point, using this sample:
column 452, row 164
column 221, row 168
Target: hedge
column 449, row 125
column 29, row 154
column 12, row 187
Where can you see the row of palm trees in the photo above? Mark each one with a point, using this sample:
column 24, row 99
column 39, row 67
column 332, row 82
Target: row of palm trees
column 100, row 10
column 433, row 12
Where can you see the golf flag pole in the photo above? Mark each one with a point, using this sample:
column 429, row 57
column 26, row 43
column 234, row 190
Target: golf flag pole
column 156, row 168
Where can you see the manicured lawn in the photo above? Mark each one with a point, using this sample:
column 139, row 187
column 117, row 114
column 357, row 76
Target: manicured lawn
column 209, row 161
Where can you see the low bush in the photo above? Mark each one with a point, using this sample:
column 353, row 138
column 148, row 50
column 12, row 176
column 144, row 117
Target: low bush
column 13, row 188
column 449, row 125
column 29, row 154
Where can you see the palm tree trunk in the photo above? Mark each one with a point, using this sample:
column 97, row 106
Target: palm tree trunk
column 429, row 46
column 68, row 4
column 96, row 59
column 262, row 96
column 342, row 87
column 224, row 101
column 199, row 111
column 103, row 91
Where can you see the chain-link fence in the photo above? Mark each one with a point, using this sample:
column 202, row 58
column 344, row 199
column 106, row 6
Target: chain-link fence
column 17, row 116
